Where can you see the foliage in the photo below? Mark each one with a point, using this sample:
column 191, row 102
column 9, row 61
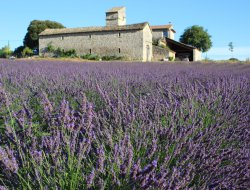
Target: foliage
column 233, row 59
column 35, row 28
column 5, row 52
column 198, row 37
column 104, row 58
column 50, row 48
column 27, row 52
column 65, row 53
column 59, row 52
column 91, row 57
column 171, row 58
column 18, row 51
column 111, row 58
column 71, row 125
column 231, row 47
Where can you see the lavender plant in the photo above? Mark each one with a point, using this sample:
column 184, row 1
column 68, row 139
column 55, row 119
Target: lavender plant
column 67, row 125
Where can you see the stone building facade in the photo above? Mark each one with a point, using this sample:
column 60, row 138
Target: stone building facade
column 133, row 42
column 116, row 16
column 163, row 31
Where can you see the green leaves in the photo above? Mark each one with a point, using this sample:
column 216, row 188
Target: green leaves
column 35, row 28
column 198, row 37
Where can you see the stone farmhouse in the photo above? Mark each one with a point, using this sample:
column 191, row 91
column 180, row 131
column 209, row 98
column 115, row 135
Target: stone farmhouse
column 138, row 42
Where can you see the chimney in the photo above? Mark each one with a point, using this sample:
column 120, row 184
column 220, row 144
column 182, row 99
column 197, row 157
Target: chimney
column 116, row 16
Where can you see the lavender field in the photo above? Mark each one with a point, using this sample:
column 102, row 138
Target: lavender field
column 72, row 125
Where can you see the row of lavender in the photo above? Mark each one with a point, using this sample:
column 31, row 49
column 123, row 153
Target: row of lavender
column 67, row 125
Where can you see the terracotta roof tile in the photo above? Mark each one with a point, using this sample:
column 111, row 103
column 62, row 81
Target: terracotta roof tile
column 168, row 26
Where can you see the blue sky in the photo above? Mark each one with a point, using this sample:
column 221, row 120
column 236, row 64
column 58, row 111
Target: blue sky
column 226, row 20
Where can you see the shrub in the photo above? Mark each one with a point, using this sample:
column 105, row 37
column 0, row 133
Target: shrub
column 171, row 58
column 233, row 59
column 50, row 48
column 90, row 57
column 112, row 57
column 18, row 51
column 59, row 52
column 5, row 52
column 27, row 52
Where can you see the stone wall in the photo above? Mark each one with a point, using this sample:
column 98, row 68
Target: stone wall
column 171, row 34
column 117, row 18
column 160, row 53
column 128, row 43
column 157, row 34
column 147, row 44
column 197, row 55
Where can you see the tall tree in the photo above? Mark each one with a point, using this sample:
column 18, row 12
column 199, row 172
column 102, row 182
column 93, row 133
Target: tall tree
column 198, row 37
column 231, row 47
column 35, row 28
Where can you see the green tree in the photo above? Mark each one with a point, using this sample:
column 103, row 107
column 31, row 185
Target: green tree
column 198, row 37
column 27, row 52
column 35, row 28
column 5, row 52
column 18, row 51
column 231, row 47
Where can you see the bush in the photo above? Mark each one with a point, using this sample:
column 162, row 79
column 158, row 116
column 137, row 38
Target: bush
column 91, row 57
column 104, row 58
column 50, row 48
column 171, row 58
column 18, row 51
column 59, row 52
column 27, row 52
column 233, row 59
column 5, row 52
column 112, row 57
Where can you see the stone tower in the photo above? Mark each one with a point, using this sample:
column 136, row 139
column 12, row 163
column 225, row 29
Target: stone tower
column 116, row 16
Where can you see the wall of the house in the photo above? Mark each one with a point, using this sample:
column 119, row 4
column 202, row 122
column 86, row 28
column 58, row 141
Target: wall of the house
column 147, row 44
column 116, row 18
column 157, row 34
column 197, row 55
column 131, row 43
column 171, row 34
column 160, row 53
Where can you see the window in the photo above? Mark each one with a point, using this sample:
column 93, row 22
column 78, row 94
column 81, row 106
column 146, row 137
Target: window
column 165, row 33
column 119, row 50
column 90, row 51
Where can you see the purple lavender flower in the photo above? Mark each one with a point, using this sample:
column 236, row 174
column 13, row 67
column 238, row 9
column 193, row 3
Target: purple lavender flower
column 90, row 178
column 8, row 159
column 101, row 159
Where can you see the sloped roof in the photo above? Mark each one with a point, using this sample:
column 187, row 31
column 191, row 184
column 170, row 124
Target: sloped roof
column 114, row 9
column 162, row 27
column 168, row 40
column 47, row 32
